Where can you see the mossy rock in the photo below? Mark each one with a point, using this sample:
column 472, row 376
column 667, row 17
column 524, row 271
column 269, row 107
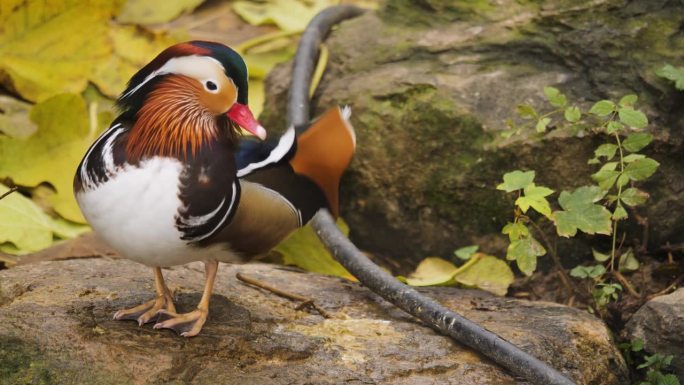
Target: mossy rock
column 430, row 98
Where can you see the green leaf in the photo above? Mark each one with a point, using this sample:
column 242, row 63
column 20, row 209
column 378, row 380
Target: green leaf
column 633, row 197
column 676, row 75
column 516, row 180
column 432, row 271
column 525, row 252
column 515, row 231
column 637, row 345
column 53, row 153
column 602, row 108
column 633, row 118
column 628, row 100
column 488, row 273
column 632, row 157
column 588, row 271
column 535, row 197
column 636, row 141
column 555, row 97
column 606, row 150
column 669, row 379
column 606, row 176
column 581, row 213
column 526, row 111
column 614, row 127
column 619, row 213
column 541, row 124
column 628, row 261
column 572, row 114
column 466, row 252
column 599, row 257
column 609, row 166
column 641, row 169
column 154, row 11
column 622, row 180
column 303, row 249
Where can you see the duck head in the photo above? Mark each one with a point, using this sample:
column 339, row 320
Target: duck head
column 188, row 94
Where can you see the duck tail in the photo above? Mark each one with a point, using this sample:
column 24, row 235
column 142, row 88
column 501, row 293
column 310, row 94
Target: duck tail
column 324, row 151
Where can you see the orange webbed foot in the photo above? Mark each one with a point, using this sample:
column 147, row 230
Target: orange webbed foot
column 185, row 324
column 146, row 312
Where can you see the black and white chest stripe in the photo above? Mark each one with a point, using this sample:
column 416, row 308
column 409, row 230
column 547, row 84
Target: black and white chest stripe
column 208, row 192
column 98, row 165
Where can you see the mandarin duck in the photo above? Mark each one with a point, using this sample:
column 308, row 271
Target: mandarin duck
column 173, row 180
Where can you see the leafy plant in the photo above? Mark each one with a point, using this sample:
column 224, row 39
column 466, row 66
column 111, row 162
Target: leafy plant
column 654, row 364
column 593, row 209
column 676, row 75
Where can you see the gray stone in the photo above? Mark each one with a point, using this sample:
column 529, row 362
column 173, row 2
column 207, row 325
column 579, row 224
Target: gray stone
column 57, row 329
column 431, row 84
column 660, row 324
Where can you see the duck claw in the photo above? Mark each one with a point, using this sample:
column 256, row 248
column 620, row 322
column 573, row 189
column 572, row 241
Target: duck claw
column 186, row 324
column 146, row 312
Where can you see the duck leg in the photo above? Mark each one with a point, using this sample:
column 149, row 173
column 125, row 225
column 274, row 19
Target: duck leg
column 147, row 311
column 190, row 324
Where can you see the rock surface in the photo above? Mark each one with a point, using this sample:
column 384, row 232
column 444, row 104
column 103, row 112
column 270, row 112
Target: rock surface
column 57, row 329
column 431, row 84
column 660, row 324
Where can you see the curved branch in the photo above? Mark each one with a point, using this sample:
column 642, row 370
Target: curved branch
column 369, row 274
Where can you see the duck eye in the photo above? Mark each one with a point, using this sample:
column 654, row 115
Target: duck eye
column 211, row 86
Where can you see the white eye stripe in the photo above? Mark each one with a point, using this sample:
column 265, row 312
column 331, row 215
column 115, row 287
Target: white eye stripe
column 193, row 66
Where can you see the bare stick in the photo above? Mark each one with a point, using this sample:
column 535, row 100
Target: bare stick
column 567, row 282
column 305, row 301
column 13, row 189
column 666, row 290
column 369, row 274
column 625, row 283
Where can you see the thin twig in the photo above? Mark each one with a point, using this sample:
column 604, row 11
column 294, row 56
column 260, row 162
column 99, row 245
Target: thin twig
column 305, row 301
column 625, row 283
column 672, row 286
column 13, row 189
column 567, row 282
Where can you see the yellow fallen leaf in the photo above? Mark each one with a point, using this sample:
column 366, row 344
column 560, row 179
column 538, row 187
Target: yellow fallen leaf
column 23, row 223
column 24, row 226
column 488, row 273
column 53, row 46
column 132, row 49
column 305, row 250
column 260, row 64
column 433, row 271
column 480, row 271
column 288, row 15
column 52, row 154
column 256, row 96
column 154, row 11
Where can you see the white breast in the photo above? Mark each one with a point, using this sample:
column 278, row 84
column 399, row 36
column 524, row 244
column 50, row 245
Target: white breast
column 135, row 212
